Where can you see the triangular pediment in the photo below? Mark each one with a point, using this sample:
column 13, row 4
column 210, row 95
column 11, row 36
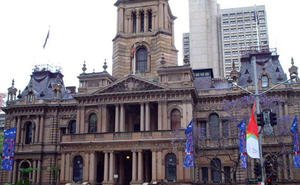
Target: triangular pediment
column 131, row 83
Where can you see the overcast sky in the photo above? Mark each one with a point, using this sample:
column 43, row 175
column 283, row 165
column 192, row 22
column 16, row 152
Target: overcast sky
column 84, row 29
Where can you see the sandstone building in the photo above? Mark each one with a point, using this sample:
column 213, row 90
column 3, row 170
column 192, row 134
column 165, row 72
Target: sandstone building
column 128, row 127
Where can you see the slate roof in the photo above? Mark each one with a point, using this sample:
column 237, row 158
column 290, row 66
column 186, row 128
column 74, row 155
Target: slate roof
column 205, row 83
column 266, row 63
column 41, row 85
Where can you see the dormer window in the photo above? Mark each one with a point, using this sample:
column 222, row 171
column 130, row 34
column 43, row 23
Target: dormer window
column 264, row 81
column 30, row 97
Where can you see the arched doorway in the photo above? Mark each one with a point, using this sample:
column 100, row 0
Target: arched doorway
column 170, row 167
column 77, row 169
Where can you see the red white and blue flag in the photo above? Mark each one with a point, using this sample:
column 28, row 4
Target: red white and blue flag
column 8, row 149
column 296, row 147
column 242, row 144
column 189, row 146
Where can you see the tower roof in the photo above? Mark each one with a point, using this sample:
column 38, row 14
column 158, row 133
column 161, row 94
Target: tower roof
column 126, row 1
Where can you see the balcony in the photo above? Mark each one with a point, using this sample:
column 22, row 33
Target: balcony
column 124, row 137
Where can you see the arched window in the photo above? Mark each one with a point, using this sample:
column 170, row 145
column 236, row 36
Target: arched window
column 141, row 59
column 72, row 127
column 142, row 18
column 77, row 169
column 216, row 169
column 28, row 133
column 175, row 119
column 214, row 126
column 149, row 20
column 25, row 165
column 92, row 123
column 133, row 15
column 264, row 81
column 170, row 166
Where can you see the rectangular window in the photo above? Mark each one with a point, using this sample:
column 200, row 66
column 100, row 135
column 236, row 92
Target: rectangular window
column 225, row 129
column 227, row 174
column 228, row 61
column 204, row 171
column 203, row 129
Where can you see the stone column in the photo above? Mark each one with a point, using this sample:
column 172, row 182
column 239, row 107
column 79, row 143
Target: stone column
column 280, row 110
column 146, row 21
column 166, row 123
column 104, row 118
column 14, row 173
column 138, row 22
column 41, row 129
column 78, row 121
column 18, row 129
column 290, row 159
column 180, row 172
column 159, row 165
column 37, row 130
column 154, row 177
column 160, row 16
column 122, row 118
column 166, row 21
column 82, row 120
column 147, row 117
column 134, row 166
column 286, row 109
column 159, row 114
column 67, row 167
column 99, row 119
column 117, row 129
column 62, row 167
column 142, row 124
column 39, row 172
column 140, row 166
column 86, row 167
column 93, row 168
column 130, row 24
column 111, row 166
column 285, row 174
column 105, row 167
column 34, row 172
column 252, row 163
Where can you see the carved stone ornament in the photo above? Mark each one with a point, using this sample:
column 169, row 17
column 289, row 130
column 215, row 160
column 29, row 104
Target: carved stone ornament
column 131, row 84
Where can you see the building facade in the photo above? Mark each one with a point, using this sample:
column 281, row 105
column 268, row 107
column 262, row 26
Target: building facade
column 242, row 32
column 2, row 121
column 205, row 36
column 186, row 46
column 129, row 128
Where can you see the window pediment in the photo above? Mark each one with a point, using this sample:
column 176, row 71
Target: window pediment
column 130, row 84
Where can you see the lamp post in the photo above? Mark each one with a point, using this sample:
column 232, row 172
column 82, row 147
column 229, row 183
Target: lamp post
column 257, row 97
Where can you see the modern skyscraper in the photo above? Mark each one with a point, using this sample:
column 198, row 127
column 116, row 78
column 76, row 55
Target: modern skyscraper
column 205, row 36
column 242, row 32
column 186, row 45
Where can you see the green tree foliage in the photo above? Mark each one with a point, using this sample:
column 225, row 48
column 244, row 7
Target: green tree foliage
column 1, row 144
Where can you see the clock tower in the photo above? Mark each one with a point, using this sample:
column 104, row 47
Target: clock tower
column 145, row 38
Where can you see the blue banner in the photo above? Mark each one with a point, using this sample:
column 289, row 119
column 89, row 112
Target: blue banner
column 8, row 149
column 189, row 146
column 242, row 143
column 296, row 147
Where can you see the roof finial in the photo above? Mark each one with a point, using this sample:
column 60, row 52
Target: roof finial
column 105, row 65
column 292, row 61
column 84, row 67
column 13, row 82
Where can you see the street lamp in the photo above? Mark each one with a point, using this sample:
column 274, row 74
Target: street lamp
column 257, row 96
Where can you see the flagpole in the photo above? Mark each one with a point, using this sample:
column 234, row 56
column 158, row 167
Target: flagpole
column 253, row 60
column 257, row 30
